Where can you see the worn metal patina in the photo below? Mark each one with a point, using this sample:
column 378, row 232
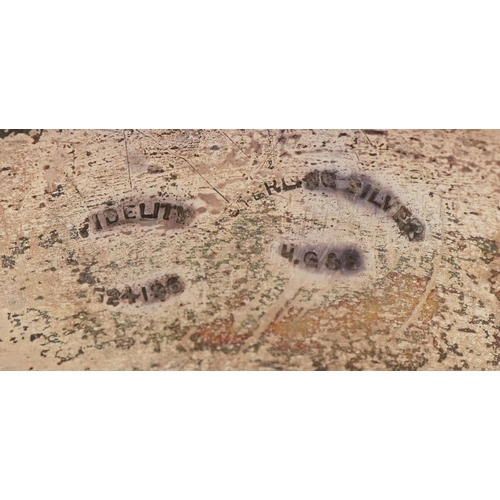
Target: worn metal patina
column 250, row 249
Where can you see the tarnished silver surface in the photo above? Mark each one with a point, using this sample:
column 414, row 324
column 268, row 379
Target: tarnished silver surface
column 250, row 249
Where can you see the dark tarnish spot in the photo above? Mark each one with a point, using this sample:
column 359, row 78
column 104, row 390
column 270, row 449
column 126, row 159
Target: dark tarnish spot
column 50, row 240
column 70, row 259
column 375, row 132
column 87, row 277
column 489, row 248
column 57, row 192
column 8, row 262
column 33, row 133
column 124, row 342
column 154, row 169
column 21, row 247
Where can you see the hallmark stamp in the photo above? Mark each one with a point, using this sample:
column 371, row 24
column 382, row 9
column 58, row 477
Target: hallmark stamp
column 355, row 188
column 167, row 212
column 362, row 189
column 158, row 290
column 345, row 260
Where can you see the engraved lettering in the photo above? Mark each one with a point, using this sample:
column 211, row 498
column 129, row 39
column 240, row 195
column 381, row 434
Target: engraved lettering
column 274, row 186
column 101, row 295
column 311, row 259
column 168, row 209
column 372, row 197
column 133, row 213
column 311, row 180
column 111, row 216
column 402, row 214
column 402, row 218
column 174, row 285
column 415, row 229
column 347, row 261
column 287, row 254
column 351, row 259
column 386, row 206
column 84, row 230
column 359, row 188
column 329, row 179
column 333, row 262
column 297, row 184
column 182, row 214
column 154, row 215
column 128, row 212
column 158, row 290
column 97, row 222
column 129, row 295
column 365, row 191
column 353, row 187
column 114, row 297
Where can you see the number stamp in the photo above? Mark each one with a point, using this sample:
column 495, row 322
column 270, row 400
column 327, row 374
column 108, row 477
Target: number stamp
column 157, row 290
